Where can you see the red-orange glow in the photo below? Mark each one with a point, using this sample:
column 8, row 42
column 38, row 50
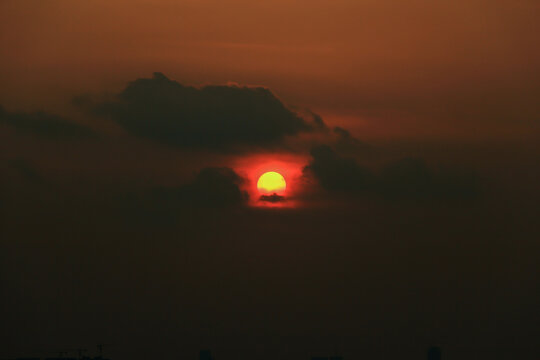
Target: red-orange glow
column 289, row 166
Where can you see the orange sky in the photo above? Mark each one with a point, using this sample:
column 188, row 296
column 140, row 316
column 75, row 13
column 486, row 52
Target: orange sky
column 135, row 230
column 385, row 69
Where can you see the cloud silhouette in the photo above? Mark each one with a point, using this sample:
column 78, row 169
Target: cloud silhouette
column 336, row 173
column 412, row 178
column 405, row 179
column 274, row 198
column 44, row 124
column 213, row 186
column 218, row 117
column 346, row 142
column 217, row 186
column 26, row 170
column 408, row 177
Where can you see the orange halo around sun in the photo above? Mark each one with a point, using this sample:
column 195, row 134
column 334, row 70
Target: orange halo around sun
column 271, row 182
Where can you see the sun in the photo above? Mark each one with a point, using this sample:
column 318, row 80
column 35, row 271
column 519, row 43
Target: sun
column 271, row 182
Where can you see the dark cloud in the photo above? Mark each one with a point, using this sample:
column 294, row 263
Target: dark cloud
column 412, row 178
column 336, row 173
column 348, row 143
column 215, row 186
column 274, row 198
column 219, row 186
column 26, row 170
column 317, row 120
column 209, row 117
column 408, row 178
column 44, row 124
column 19, row 179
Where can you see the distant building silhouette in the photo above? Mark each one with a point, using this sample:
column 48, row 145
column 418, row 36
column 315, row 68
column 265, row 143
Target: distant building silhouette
column 327, row 358
column 434, row 353
column 80, row 352
column 62, row 358
column 205, row 355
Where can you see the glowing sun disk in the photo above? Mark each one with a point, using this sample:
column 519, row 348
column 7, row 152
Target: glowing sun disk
column 271, row 182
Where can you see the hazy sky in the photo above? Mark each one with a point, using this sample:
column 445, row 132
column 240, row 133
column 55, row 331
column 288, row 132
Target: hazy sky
column 387, row 69
column 132, row 135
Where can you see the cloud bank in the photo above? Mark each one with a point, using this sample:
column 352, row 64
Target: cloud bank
column 44, row 124
column 404, row 179
column 213, row 186
column 215, row 117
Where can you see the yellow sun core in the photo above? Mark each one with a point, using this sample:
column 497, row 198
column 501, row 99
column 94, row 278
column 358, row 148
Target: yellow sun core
column 271, row 182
